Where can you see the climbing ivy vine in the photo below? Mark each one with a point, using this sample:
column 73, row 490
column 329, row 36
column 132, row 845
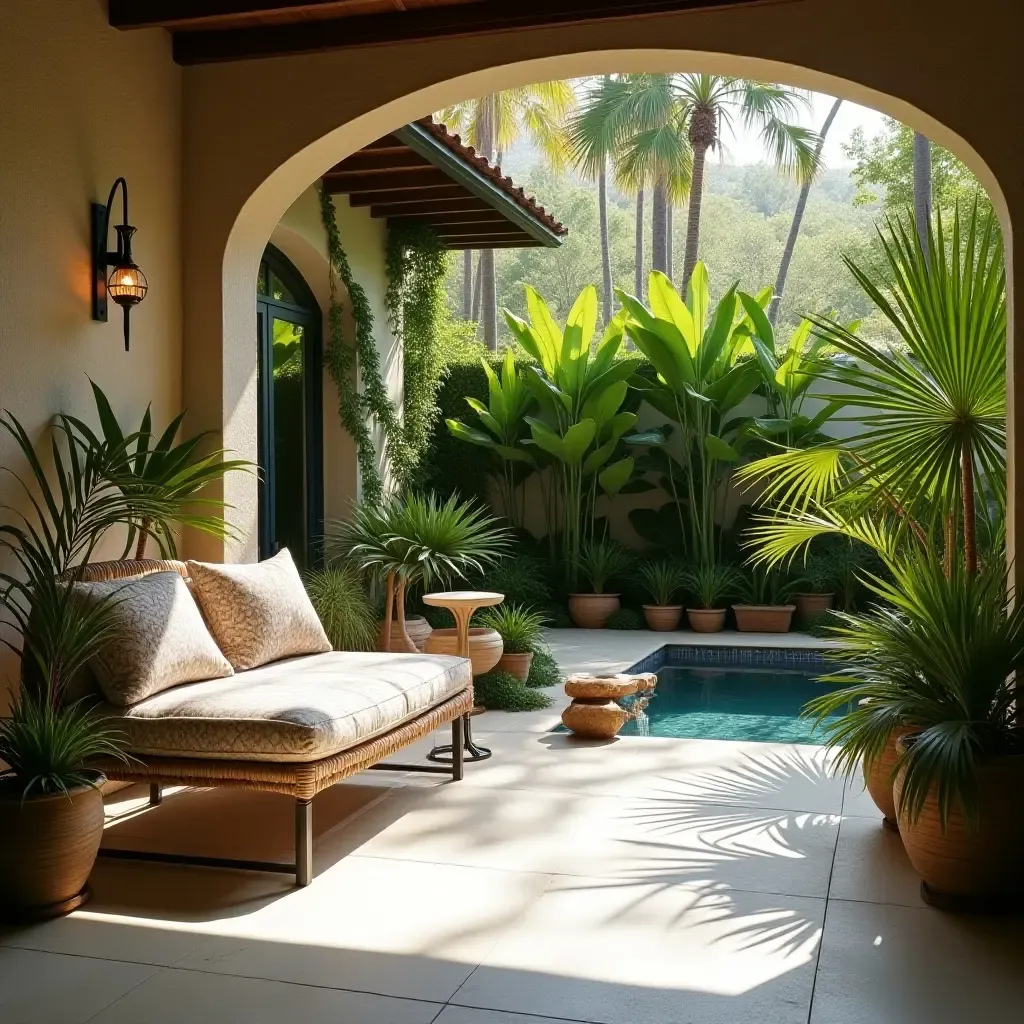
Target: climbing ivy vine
column 415, row 299
column 344, row 361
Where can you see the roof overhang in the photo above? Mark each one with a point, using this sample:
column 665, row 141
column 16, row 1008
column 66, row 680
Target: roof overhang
column 423, row 173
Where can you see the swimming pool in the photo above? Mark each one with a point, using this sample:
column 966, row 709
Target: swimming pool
column 732, row 694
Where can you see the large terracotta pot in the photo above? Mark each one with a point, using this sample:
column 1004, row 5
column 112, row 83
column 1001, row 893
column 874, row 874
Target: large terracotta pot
column 663, row 617
column 878, row 779
column 706, row 620
column 591, row 611
column 516, row 664
column 48, row 848
column 763, row 618
column 810, row 606
column 976, row 868
column 416, row 626
column 485, row 646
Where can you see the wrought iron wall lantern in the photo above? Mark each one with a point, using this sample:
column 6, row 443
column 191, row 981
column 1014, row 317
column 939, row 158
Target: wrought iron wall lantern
column 126, row 284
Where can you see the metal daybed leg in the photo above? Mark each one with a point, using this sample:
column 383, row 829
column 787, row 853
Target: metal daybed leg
column 156, row 794
column 458, row 741
column 303, row 842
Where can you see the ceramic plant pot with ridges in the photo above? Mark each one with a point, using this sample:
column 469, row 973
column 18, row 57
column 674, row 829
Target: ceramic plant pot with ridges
column 706, row 620
column 485, row 646
column 47, row 850
column 516, row 664
column 417, row 628
column 810, row 606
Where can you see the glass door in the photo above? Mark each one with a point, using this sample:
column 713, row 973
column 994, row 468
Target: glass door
column 290, row 425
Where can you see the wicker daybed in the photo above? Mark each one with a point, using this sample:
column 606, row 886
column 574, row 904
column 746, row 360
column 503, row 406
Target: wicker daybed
column 296, row 726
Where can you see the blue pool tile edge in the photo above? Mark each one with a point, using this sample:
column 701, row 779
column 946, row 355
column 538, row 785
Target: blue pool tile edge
column 694, row 654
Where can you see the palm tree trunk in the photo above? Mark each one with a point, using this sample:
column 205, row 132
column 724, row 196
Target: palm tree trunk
column 669, row 217
column 922, row 188
column 606, row 256
column 659, row 252
column 638, row 282
column 410, row 647
column 140, row 548
column 477, row 287
column 467, row 284
column 389, row 605
column 798, row 216
column 970, row 523
column 488, row 301
column 693, row 214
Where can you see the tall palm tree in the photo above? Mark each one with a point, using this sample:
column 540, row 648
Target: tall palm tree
column 710, row 102
column 633, row 121
column 798, row 216
column 923, row 188
column 491, row 124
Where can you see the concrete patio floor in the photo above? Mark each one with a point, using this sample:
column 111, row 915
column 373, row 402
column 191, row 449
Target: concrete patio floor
column 642, row 880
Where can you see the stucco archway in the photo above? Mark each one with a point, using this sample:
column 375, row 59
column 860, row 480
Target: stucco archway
column 230, row 216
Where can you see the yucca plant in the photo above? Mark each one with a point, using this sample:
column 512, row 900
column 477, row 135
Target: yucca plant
column 937, row 655
column 712, row 585
column 761, row 586
column 339, row 596
column 521, row 630
column 600, row 562
column 419, row 539
column 176, row 470
column 662, row 580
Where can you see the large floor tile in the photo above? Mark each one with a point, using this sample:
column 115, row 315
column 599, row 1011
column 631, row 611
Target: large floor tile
column 871, row 865
column 777, row 776
column 472, row 1015
column 46, row 988
column 917, row 966
column 857, row 800
column 176, row 996
column 391, row 927
column 598, row 950
column 639, row 840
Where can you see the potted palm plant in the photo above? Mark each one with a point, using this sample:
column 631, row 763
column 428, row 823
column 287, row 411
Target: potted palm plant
column 416, row 540
column 522, row 633
column 599, row 562
column 710, row 587
column 932, row 673
column 662, row 580
column 763, row 608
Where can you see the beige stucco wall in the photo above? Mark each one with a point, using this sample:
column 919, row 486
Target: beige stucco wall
column 301, row 237
column 81, row 104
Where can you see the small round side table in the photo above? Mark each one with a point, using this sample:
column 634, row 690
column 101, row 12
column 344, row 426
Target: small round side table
column 462, row 604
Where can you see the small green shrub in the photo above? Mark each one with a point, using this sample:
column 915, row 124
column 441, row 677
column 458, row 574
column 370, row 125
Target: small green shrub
column 626, row 618
column 544, row 670
column 558, row 616
column 822, row 625
column 502, row 691
column 345, row 609
column 522, row 579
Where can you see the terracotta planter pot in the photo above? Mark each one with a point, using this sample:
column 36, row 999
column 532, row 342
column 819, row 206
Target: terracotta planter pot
column 485, row 646
column 878, row 779
column 976, row 869
column 416, row 626
column 49, row 847
column 591, row 611
column 810, row 606
column 706, row 620
column 517, row 664
column 663, row 617
column 763, row 618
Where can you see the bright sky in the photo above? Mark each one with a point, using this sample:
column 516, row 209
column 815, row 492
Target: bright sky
column 746, row 147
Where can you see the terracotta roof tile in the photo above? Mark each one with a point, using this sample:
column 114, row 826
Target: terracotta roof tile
column 493, row 172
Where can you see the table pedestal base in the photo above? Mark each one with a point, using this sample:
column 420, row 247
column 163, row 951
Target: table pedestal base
column 443, row 754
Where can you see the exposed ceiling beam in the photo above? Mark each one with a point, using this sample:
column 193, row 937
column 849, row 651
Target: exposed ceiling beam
column 481, row 217
column 530, row 244
column 400, row 180
column 183, row 14
column 363, row 160
column 453, row 197
column 202, row 45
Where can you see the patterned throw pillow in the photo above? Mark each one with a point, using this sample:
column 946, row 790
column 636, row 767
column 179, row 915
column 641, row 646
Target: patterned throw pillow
column 258, row 613
column 159, row 639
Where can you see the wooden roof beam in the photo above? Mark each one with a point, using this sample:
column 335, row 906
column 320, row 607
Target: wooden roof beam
column 397, row 181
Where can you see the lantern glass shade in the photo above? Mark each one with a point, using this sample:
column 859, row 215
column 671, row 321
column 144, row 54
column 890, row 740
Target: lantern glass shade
column 127, row 285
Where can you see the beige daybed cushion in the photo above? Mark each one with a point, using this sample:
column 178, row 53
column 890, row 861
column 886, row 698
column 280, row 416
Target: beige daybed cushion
column 258, row 613
column 301, row 709
column 158, row 638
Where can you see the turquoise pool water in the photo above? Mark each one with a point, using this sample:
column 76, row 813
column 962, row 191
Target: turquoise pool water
column 732, row 702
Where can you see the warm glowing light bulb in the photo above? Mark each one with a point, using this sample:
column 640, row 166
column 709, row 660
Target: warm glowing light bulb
column 127, row 280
